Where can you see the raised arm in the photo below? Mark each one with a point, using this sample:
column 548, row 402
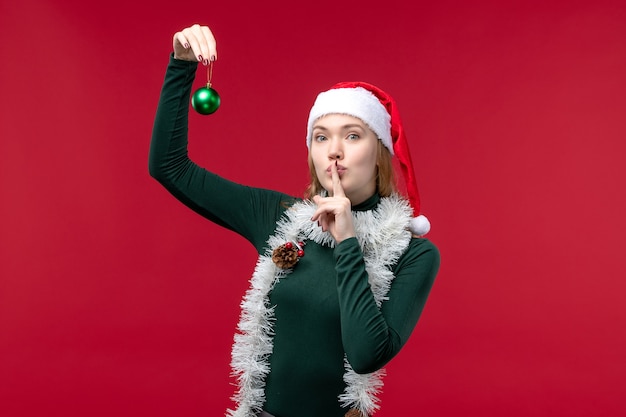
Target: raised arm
column 248, row 211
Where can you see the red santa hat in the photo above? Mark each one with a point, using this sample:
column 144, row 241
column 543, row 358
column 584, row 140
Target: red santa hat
column 379, row 111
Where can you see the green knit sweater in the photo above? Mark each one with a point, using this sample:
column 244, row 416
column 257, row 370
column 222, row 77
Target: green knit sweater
column 325, row 309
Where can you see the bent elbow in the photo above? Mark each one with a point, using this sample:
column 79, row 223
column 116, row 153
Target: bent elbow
column 366, row 369
column 365, row 364
column 159, row 172
column 365, row 358
column 155, row 171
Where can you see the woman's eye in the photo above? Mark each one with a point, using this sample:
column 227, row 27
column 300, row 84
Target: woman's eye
column 320, row 138
column 353, row 136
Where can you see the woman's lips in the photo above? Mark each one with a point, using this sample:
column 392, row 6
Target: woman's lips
column 340, row 169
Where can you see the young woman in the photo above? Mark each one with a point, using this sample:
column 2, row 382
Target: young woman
column 343, row 274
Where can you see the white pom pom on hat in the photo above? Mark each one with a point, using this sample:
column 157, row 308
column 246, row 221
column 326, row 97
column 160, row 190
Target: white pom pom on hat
column 379, row 111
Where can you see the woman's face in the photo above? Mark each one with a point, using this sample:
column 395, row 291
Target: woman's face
column 347, row 141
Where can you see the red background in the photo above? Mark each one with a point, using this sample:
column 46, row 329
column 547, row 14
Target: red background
column 117, row 300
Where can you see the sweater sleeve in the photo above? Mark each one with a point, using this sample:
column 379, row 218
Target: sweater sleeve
column 373, row 336
column 251, row 212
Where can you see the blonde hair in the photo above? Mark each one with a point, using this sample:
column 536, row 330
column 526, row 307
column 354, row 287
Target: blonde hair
column 385, row 176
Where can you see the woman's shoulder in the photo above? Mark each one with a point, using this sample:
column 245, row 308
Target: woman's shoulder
column 423, row 244
column 422, row 250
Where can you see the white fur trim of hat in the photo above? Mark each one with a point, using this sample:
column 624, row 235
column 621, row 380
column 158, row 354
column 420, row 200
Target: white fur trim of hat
column 356, row 102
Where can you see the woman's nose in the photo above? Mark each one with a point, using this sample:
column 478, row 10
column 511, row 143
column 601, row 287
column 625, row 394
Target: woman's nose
column 335, row 150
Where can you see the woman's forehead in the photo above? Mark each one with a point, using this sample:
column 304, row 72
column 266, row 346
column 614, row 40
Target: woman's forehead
column 338, row 120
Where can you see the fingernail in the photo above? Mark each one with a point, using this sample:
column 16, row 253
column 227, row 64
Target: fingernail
column 212, row 58
column 205, row 62
column 186, row 45
column 199, row 57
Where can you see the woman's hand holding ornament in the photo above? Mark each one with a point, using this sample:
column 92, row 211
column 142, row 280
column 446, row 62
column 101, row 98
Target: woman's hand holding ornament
column 195, row 43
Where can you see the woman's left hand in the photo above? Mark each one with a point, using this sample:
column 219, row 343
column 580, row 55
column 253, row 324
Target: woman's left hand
column 334, row 213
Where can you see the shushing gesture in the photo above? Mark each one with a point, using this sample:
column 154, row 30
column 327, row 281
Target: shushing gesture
column 195, row 43
column 334, row 213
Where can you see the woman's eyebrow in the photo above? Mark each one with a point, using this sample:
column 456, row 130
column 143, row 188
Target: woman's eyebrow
column 351, row 126
column 344, row 127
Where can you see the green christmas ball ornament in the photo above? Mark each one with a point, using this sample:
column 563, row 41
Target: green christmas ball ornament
column 205, row 100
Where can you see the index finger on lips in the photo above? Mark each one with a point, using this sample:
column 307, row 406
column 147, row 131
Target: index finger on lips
column 337, row 187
